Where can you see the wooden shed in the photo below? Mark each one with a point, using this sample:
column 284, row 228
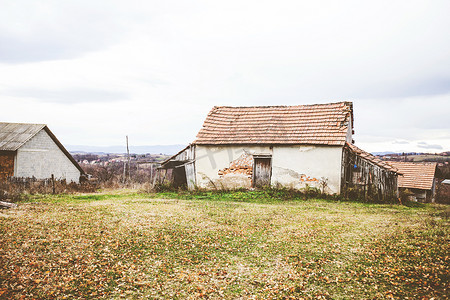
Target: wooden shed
column 32, row 150
column 366, row 177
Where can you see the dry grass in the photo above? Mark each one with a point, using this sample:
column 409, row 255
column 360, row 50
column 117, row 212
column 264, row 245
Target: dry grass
column 137, row 246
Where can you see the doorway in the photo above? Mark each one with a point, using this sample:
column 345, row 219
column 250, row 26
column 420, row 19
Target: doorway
column 262, row 170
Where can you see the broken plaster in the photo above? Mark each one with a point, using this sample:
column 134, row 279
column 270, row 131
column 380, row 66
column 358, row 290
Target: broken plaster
column 242, row 165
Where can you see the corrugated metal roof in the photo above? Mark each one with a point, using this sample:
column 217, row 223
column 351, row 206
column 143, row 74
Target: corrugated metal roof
column 415, row 175
column 14, row 135
column 318, row 124
column 381, row 163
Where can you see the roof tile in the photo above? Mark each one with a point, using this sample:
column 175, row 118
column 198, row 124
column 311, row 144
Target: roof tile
column 415, row 175
column 324, row 124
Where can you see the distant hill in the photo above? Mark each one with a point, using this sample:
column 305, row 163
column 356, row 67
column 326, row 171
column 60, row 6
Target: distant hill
column 410, row 153
column 443, row 157
column 153, row 149
column 382, row 153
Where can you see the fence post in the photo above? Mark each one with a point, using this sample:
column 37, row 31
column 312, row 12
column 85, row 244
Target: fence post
column 53, row 184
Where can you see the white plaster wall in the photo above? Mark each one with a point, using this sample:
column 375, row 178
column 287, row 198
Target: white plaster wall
column 292, row 166
column 210, row 159
column 349, row 136
column 298, row 166
column 41, row 157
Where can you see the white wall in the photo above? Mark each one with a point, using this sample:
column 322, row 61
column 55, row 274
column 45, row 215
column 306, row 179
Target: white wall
column 349, row 136
column 292, row 166
column 41, row 157
column 298, row 166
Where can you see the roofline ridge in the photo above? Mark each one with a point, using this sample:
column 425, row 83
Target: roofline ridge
column 374, row 159
column 63, row 149
column 258, row 106
column 40, row 124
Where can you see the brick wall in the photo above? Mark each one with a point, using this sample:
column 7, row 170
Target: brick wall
column 41, row 157
column 6, row 165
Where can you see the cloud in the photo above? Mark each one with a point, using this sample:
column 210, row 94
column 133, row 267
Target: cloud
column 24, row 49
column 421, row 84
column 425, row 145
column 54, row 30
column 410, row 119
column 163, row 64
column 400, row 142
column 68, row 95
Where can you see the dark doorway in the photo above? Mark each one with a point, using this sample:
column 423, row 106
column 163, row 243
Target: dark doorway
column 179, row 177
column 262, row 171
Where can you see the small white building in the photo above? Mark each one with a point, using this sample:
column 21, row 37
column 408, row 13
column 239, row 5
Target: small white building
column 289, row 146
column 32, row 150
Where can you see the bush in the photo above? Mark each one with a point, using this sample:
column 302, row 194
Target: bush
column 16, row 189
column 405, row 195
column 443, row 193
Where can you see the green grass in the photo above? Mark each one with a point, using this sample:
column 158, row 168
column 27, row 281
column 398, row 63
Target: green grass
column 221, row 245
column 87, row 197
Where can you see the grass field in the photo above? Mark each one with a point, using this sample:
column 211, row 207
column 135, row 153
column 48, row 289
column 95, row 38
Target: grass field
column 231, row 245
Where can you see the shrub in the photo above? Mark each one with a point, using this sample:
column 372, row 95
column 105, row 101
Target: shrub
column 405, row 195
column 16, row 189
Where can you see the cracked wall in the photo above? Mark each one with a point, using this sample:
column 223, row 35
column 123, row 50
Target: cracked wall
column 292, row 166
column 300, row 166
column 226, row 167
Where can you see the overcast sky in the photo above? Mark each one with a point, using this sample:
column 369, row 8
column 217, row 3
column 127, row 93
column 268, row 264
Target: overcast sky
column 95, row 71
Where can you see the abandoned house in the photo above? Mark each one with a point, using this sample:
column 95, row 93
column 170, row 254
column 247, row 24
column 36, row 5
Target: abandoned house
column 419, row 178
column 32, row 150
column 290, row 146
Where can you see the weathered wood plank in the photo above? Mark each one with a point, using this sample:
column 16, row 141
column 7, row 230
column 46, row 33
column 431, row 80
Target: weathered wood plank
column 262, row 172
column 364, row 179
column 190, row 175
column 7, row 204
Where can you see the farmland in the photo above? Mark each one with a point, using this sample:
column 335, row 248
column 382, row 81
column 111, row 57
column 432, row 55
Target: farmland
column 125, row 244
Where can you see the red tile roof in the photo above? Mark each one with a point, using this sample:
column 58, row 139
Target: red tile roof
column 415, row 175
column 318, row 124
column 381, row 163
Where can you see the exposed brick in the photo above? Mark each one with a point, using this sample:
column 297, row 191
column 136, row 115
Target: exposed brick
column 6, row 165
column 243, row 165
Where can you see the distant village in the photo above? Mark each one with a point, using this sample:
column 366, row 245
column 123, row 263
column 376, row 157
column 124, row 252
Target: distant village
column 112, row 168
column 105, row 159
column 415, row 156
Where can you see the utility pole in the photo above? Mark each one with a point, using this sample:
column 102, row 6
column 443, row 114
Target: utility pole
column 129, row 161
column 151, row 172
column 124, row 171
